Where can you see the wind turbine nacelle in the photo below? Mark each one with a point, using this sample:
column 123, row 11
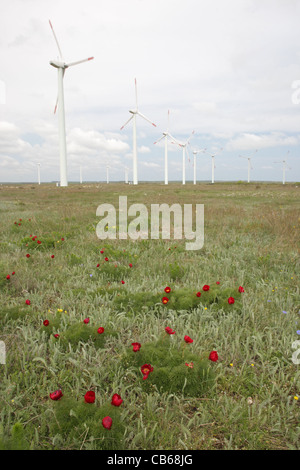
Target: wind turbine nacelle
column 132, row 111
column 57, row 64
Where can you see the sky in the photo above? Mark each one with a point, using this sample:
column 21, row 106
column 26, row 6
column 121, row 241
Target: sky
column 228, row 72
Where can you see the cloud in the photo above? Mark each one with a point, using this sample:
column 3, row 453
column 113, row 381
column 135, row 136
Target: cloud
column 254, row 141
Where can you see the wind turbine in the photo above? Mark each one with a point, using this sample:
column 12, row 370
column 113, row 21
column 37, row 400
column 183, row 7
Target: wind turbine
column 126, row 175
column 134, row 113
column 80, row 175
column 165, row 136
column 39, row 173
column 213, row 155
column 249, row 164
column 61, row 68
column 184, row 150
column 284, row 167
column 107, row 174
column 195, row 152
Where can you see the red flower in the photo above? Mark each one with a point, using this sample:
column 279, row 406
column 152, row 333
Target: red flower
column 165, row 300
column 191, row 364
column 213, row 356
column 52, row 256
column 28, row 255
column 20, row 220
column 167, row 290
column 102, row 251
column 130, row 265
column 198, row 294
column 123, row 282
column 241, row 289
column 136, row 346
column 56, row 395
column 8, row 277
column 13, row 273
column 100, row 330
column 169, row 331
column 56, row 335
column 86, row 321
column 98, row 265
column 187, row 339
column 206, row 287
column 107, row 422
column 62, row 239
column 89, row 397
column 39, row 242
column 116, row 400
column 231, row 300
column 46, row 322
column 27, row 302
column 146, row 369
column 217, row 283
column 106, row 259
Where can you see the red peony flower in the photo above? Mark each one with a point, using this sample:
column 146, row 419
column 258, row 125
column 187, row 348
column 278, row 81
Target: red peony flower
column 231, row 300
column 100, row 330
column 169, row 331
column 165, row 300
column 62, row 239
column 39, row 242
column 27, row 302
column 187, row 339
column 98, row 265
column 56, row 395
column 28, row 255
column 123, row 282
column 56, row 336
column 102, row 251
column 206, row 287
column 241, row 289
column 116, row 400
column 130, row 265
column 46, row 322
column 198, row 294
column 106, row 259
column 13, row 273
column 136, row 346
column 167, row 290
column 52, row 256
column 107, row 422
column 146, row 369
column 217, row 283
column 89, row 397
column 213, row 356
column 8, row 277
column 86, row 321
column 191, row 364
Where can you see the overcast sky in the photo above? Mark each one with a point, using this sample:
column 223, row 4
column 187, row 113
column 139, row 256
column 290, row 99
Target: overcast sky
column 227, row 70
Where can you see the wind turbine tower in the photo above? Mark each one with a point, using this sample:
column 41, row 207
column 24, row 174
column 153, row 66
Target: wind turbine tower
column 249, row 164
column 285, row 166
column 213, row 155
column 195, row 152
column 61, row 67
column 165, row 136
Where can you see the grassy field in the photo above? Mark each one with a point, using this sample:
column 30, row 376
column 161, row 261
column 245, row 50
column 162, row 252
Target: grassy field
column 247, row 399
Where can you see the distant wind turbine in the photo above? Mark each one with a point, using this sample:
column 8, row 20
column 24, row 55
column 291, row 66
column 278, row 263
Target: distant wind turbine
column 285, row 165
column 249, row 164
column 39, row 173
column 80, row 175
column 213, row 155
column 61, row 67
column 184, row 151
column 126, row 175
column 107, row 174
column 134, row 113
column 165, row 136
column 195, row 152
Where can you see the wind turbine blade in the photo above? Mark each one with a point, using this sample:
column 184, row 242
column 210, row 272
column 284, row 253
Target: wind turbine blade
column 190, row 137
column 162, row 137
column 79, row 62
column 175, row 140
column 144, row 117
column 126, row 122
column 59, row 50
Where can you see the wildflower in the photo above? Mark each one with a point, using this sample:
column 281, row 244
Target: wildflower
column 28, row 255
column 56, row 336
column 46, row 322
column 296, row 398
column 39, row 242
column 122, row 282
column 241, row 289
column 206, row 287
column 167, row 290
column 89, row 397
column 102, row 251
column 116, row 400
column 187, row 339
column 56, row 395
column 169, row 331
column 136, row 346
column 198, row 294
column 27, row 302
column 217, row 283
column 231, row 300
column 100, row 330
column 106, row 259
column 98, row 265
column 107, row 422
column 52, row 256
column 8, row 277
column 213, row 356
column 130, row 265
column 13, row 273
column 191, row 364
column 86, row 320
column 146, row 369
column 62, row 239
column 165, row 300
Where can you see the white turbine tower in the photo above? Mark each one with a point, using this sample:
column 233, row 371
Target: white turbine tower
column 249, row 164
column 134, row 113
column 39, row 173
column 126, row 175
column 61, row 68
column 213, row 155
column 285, row 166
column 107, row 174
column 80, row 175
column 195, row 152
column 165, row 136
column 184, row 151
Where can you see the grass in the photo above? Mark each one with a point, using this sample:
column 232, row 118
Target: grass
column 246, row 399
